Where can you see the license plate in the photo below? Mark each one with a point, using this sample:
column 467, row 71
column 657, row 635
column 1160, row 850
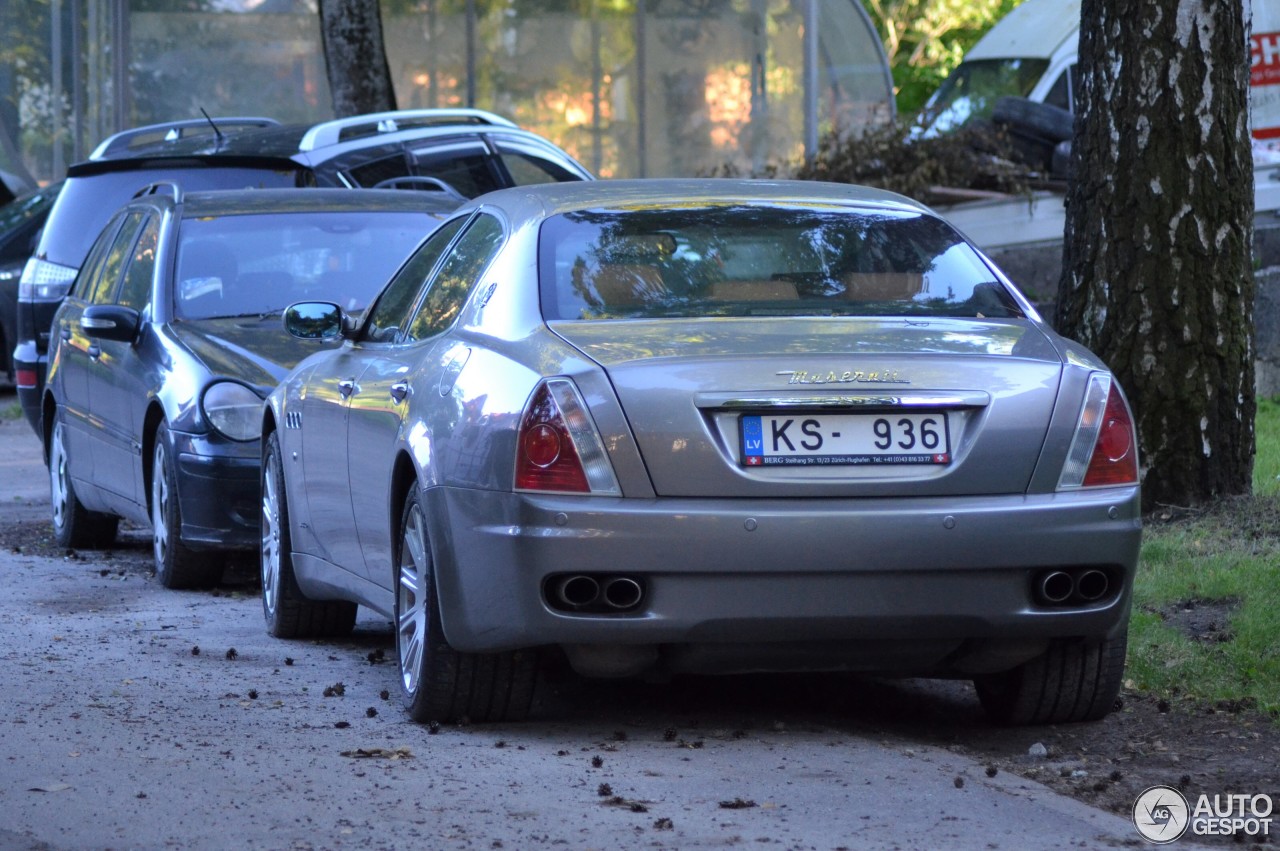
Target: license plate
column 802, row 439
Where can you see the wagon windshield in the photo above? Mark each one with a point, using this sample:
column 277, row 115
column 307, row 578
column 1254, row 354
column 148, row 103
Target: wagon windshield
column 242, row 265
column 753, row 260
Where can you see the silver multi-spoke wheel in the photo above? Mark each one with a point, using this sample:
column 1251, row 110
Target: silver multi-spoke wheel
column 288, row 612
column 270, row 556
column 411, row 611
column 160, row 504
column 59, row 486
column 73, row 524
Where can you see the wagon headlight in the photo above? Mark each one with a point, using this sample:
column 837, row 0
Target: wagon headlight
column 233, row 410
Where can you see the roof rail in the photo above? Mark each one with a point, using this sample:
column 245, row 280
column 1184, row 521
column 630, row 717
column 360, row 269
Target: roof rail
column 171, row 131
column 161, row 187
column 370, row 124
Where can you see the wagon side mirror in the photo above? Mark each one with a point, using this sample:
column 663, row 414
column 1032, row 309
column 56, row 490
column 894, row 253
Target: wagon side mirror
column 110, row 322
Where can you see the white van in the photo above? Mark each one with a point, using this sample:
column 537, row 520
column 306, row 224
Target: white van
column 1031, row 53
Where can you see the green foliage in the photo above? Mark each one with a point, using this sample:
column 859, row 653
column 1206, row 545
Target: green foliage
column 1225, row 560
column 925, row 39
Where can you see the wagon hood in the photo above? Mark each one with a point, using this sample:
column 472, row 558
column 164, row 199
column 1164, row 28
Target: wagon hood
column 686, row 387
column 257, row 351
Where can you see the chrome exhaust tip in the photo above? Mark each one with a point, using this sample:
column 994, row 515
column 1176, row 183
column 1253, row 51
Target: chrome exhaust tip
column 1092, row 585
column 1056, row 586
column 577, row 591
column 622, row 592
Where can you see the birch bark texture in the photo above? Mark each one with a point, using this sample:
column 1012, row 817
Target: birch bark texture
column 1157, row 257
column 355, row 57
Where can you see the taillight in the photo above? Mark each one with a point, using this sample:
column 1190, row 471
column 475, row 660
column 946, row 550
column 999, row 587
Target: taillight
column 45, row 281
column 1104, row 452
column 558, row 447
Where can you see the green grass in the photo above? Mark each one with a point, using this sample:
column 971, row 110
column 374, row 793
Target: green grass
column 11, row 412
column 1229, row 554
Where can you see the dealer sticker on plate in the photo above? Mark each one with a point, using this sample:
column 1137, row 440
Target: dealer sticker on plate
column 830, row 439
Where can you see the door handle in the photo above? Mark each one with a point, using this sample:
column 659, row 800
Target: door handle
column 346, row 387
column 399, row 391
column 66, row 333
column 95, row 352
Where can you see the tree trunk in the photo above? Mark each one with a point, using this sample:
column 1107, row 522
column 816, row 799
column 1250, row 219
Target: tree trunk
column 355, row 57
column 1157, row 272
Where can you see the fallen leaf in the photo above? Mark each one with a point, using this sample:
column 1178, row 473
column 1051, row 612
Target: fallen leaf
column 379, row 753
column 51, row 787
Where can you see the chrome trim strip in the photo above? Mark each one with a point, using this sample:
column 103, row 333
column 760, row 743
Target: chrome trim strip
column 860, row 400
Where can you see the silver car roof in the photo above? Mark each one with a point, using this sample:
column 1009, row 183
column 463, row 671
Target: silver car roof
column 544, row 200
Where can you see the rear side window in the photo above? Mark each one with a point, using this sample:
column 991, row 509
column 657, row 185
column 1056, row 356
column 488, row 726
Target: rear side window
column 136, row 289
column 761, row 260
column 87, row 201
column 456, row 276
column 529, row 164
column 104, row 286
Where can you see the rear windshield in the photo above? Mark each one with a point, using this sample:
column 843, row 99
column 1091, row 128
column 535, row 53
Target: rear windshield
column 88, row 201
column 755, row 260
column 260, row 264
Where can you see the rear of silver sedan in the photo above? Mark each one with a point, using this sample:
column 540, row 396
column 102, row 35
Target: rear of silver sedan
column 810, row 438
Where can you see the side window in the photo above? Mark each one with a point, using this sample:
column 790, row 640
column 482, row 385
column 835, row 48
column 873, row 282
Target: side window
column 104, row 287
column 1059, row 93
column 387, row 168
column 463, row 164
column 393, row 306
column 136, row 288
column 91, row 270
column 458, row 273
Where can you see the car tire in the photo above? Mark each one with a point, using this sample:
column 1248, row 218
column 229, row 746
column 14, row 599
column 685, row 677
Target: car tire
column 74, row 526
column 439, row 683
column 1073, row 680
column 177, row 566
column 288, row 612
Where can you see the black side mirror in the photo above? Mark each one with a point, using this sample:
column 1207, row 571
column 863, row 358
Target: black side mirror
column 110, row 322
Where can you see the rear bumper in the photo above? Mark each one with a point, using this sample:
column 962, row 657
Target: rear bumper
column 944, row 576
column 29, row 368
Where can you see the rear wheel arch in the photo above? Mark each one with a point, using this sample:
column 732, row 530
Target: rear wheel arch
column 404, row 478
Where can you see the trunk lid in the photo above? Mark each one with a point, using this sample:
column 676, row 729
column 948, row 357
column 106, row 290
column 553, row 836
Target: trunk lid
column 980, row 392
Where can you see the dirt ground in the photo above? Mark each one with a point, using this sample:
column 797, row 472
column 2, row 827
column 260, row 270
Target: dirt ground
column 1147, row 741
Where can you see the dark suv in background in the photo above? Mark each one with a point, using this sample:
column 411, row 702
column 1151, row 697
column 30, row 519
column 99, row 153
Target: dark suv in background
column 20, row 223
column 465, row 152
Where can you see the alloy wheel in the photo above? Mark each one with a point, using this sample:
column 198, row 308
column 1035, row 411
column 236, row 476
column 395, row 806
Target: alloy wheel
column 160, row 504
column 411, row 608
column 270, row 558
column 59, row 488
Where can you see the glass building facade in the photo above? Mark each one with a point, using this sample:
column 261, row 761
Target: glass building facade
column 632, row 88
